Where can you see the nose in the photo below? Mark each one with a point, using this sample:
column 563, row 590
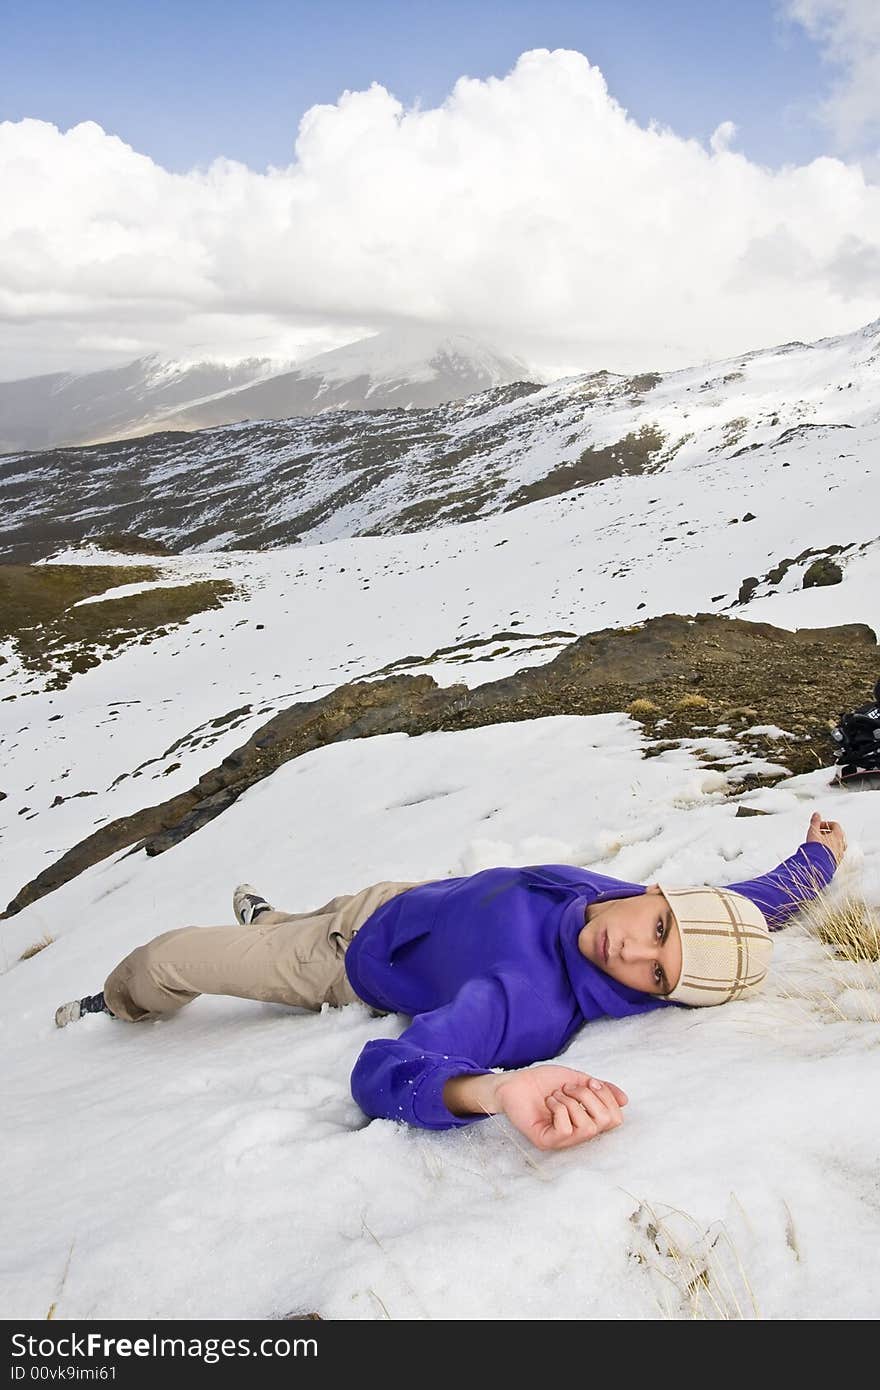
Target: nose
column 635, row 952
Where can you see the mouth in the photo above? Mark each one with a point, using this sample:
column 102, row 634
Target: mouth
column 603, row 947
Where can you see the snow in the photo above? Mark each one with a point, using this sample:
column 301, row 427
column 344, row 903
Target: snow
column 411, row 353
column 769, row 731
column 229, row 1134
column 158, row 1158
column 158, row 370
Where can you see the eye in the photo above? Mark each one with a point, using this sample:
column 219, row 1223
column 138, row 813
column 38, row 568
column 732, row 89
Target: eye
column 658, row 977
column 660, row 929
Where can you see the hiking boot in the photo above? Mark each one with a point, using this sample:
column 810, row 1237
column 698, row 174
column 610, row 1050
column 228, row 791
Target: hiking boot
column 247, row 904
column 73, row 1012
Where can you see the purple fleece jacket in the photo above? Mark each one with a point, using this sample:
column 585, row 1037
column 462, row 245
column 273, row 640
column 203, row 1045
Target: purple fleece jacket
column 488, row 967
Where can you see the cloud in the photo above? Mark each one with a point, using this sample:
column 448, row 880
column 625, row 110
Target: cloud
column 722, row 137
column 529, row 209
column 849, row 34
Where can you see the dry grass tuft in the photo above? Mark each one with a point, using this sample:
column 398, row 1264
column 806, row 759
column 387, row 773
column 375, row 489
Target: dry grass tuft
column 37, row 947
column 53, row 1306
column 693, row 702
column 845, row 921
column 846, row 982
column 850, row 927
column 697, row 1272
column 643, row 709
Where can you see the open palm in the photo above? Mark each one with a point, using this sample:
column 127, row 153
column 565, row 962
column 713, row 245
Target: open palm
column 557, row 1107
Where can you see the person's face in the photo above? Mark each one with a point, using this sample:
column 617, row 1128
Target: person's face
column 634, row 940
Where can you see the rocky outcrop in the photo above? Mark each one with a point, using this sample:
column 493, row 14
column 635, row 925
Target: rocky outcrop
column 691, row 673
column 822, row 572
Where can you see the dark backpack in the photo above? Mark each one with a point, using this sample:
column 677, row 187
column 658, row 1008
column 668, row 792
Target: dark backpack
column 857, row 740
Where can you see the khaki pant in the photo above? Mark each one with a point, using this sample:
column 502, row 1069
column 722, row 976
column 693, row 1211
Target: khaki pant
column 295, row 958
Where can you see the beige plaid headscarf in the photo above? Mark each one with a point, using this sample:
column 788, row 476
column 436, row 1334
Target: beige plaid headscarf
column 725, row 945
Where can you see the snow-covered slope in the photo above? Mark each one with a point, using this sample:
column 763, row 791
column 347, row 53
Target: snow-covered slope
column 412, row 367
column 230, row 1130
column 417, row 356
column 309, row 618
column 344, row 474
column 399, row 368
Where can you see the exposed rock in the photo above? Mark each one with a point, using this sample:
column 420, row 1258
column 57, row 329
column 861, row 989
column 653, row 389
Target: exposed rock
column 124, row 543
column 632, row 454
column 233, row 713
column 804, row 430
column 822, row 572
column 777, row 572
column 638, row 385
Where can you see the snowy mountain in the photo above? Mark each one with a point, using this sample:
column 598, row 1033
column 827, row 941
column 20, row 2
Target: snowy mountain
column 404, row 367
column 522, row 550
column 40, row 412
column 270, row 483
column 399, row 369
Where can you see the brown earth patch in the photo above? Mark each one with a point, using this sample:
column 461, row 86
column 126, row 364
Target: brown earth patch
column 124, row 543
column 39, row 613
column 632, row 454
column 746, row 673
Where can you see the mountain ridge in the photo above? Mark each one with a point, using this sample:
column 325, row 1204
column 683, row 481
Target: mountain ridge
column 309, row 479
column 415, row 368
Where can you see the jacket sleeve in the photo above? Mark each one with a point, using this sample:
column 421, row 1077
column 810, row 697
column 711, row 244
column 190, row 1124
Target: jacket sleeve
column 403, row 1078
column 792, row 883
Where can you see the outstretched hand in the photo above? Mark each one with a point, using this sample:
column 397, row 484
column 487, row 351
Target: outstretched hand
column 557, row 1108
column 829, row 833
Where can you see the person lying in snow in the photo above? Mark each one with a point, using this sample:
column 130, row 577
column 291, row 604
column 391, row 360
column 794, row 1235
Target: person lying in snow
column 497, row 970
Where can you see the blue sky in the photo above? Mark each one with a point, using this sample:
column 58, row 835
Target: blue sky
column 187, row 80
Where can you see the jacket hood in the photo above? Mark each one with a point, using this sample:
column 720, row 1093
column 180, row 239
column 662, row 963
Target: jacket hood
column 598, row 995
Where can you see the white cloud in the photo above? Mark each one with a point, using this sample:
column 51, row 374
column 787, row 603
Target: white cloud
column 722, row 137
column 530, row 209
column 849, row 33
